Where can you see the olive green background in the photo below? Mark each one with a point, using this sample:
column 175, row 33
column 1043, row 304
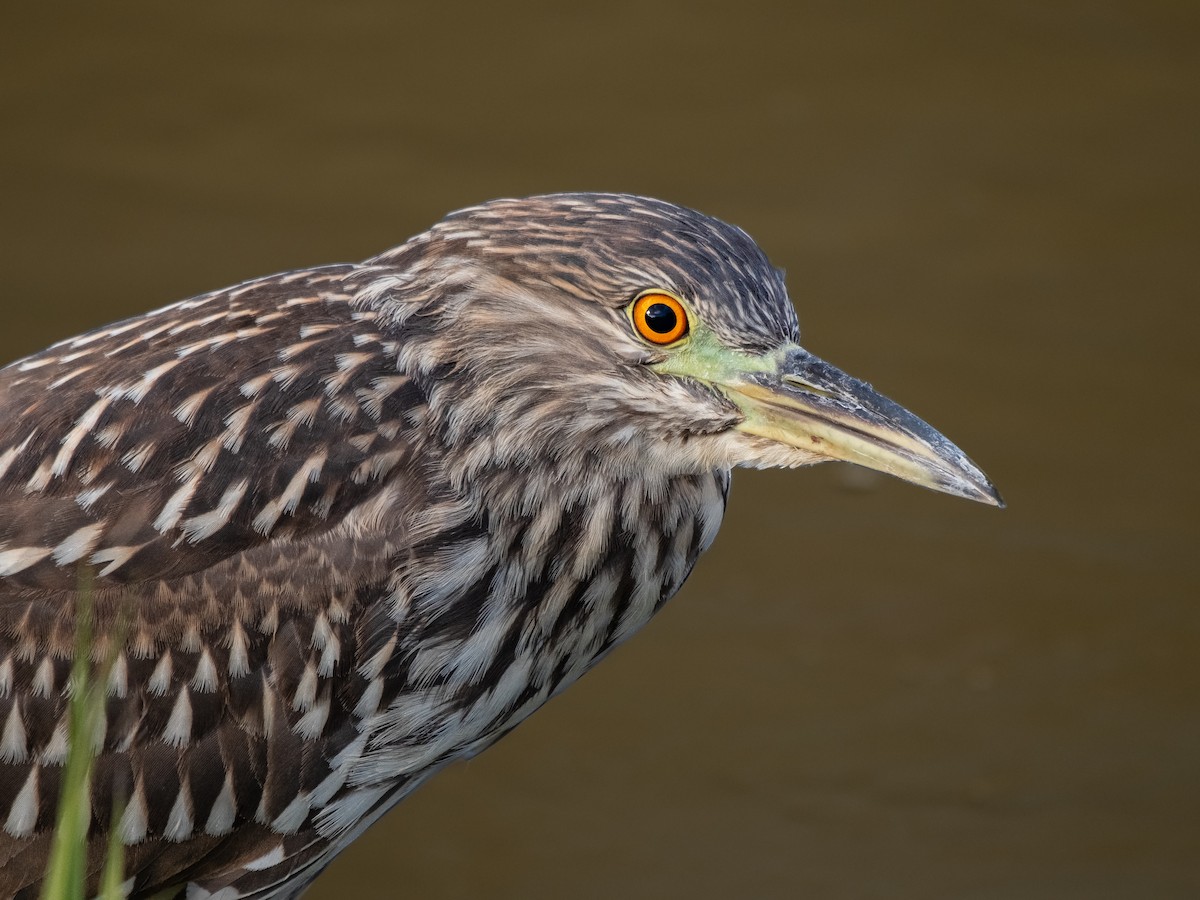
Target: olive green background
column 987, row 210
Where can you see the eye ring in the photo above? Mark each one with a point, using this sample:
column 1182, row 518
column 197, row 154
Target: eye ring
column 659, row 318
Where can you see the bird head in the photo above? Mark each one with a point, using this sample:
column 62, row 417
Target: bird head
column 630, row 332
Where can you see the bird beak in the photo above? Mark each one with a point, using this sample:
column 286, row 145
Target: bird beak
column 813, row 406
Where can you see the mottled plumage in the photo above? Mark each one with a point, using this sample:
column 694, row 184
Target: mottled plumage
column 349, row 524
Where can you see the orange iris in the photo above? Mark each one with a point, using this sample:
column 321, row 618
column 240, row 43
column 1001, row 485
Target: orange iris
column 659, row 318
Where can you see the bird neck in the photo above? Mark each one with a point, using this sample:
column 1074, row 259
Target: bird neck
column 515, row 595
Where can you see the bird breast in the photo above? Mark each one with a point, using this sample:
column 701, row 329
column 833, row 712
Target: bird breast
column 499, row 612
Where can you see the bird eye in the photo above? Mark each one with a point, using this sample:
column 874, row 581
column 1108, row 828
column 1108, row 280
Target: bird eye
column 659, row 318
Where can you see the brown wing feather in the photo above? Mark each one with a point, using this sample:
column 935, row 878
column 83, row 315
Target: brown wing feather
column 157, row 446
column 222, row 467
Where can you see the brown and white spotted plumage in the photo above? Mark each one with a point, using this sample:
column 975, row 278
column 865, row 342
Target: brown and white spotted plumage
column 347, row 525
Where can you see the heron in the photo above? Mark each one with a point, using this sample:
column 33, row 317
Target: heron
column 346, row 525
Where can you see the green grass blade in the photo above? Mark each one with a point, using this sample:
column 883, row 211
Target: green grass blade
column 66, row 873
column 114, row 864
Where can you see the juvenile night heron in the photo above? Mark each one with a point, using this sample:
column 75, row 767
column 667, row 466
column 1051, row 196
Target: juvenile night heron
column 349, row 524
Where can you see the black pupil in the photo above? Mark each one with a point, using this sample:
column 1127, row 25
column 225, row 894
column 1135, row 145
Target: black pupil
column 661, row 319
